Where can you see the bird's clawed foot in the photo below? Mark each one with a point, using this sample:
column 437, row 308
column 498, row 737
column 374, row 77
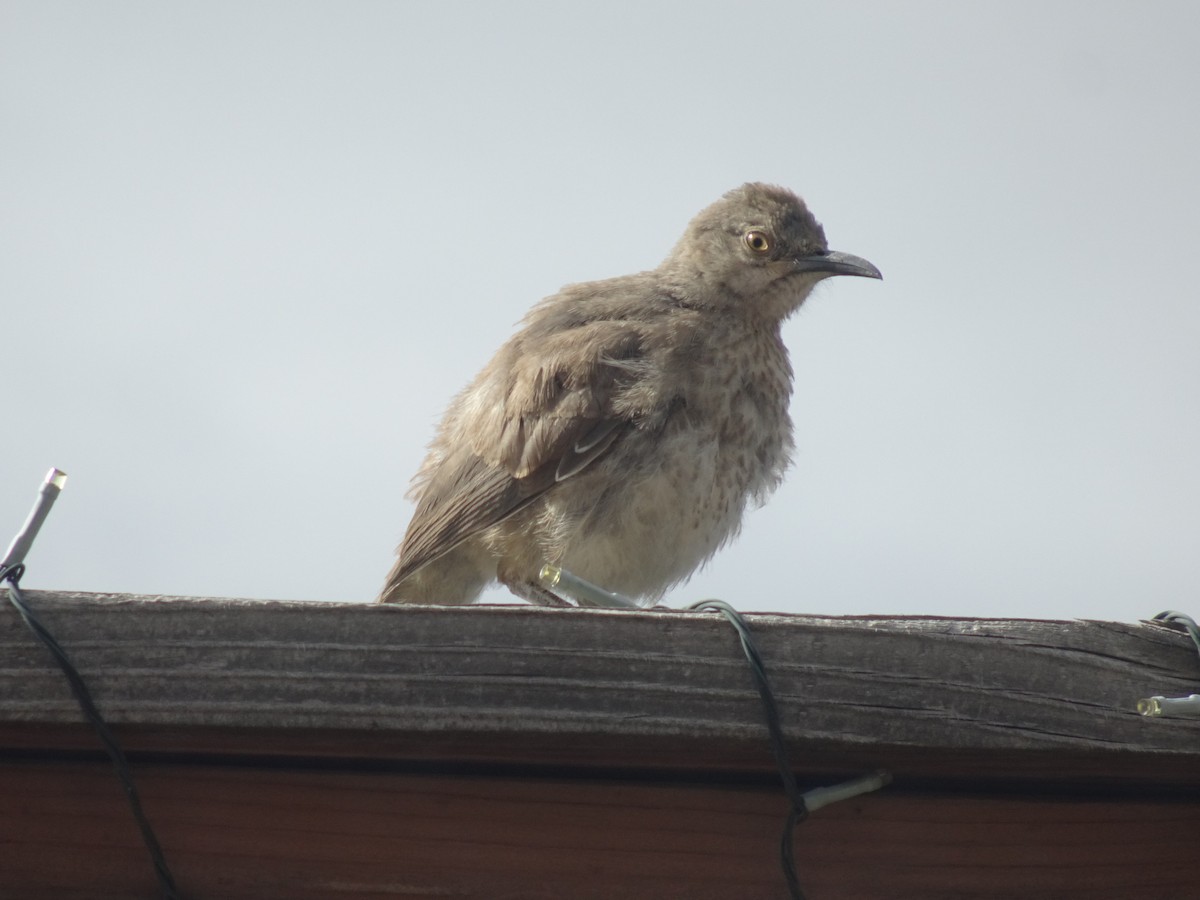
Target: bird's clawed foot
column 535, row 594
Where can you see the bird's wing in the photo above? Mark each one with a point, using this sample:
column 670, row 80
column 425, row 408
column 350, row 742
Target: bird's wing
column 555, row 419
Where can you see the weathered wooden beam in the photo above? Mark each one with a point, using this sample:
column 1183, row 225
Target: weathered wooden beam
column 314, row 750
column 928, row 697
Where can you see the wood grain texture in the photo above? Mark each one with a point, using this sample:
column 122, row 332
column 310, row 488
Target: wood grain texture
column 312, row 750
column 239, row 833
column 546, row 684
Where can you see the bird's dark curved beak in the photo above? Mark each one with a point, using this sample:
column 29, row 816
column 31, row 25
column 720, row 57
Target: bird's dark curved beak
column 835, row 263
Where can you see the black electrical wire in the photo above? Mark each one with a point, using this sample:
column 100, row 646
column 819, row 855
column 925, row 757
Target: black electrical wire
column 1183, row 619
column 120, row 764
column 798, row 811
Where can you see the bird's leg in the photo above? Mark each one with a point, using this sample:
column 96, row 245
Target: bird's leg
column 534, row 593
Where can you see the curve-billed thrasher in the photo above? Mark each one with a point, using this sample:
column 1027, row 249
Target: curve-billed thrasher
column 620, row 433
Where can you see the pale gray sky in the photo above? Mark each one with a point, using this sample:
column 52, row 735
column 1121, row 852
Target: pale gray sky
column 248, row 251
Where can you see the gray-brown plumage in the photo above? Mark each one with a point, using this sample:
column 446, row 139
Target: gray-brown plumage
column 622, row 431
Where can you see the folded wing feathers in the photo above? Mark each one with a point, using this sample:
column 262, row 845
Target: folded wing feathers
column 552, row 427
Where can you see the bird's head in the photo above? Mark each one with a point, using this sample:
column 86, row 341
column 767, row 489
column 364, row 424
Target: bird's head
column 759, row 248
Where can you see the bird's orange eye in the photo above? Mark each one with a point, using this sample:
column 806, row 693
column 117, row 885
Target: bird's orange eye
column 758, row 241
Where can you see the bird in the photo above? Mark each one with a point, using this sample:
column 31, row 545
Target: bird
column 623, row 431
